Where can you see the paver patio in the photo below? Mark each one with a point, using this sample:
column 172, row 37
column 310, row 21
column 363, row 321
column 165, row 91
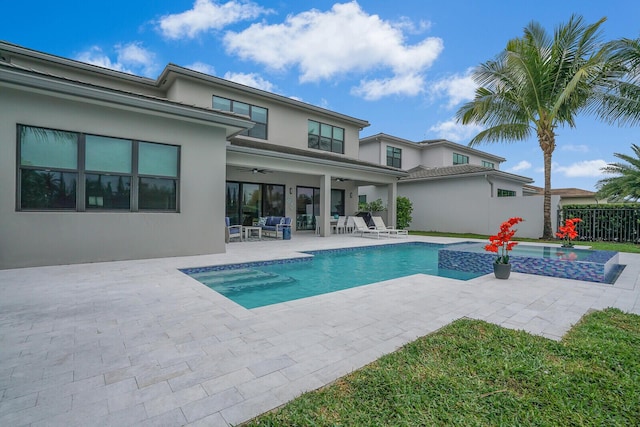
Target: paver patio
column 139, row 343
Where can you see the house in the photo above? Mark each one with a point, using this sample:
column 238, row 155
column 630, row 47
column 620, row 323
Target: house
column 453, row 187
column 100, row 165
column 568, row 196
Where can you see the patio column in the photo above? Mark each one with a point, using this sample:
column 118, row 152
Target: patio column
column 392, row 195
column 325, row 205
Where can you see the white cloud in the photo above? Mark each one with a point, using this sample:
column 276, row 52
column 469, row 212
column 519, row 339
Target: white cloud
column 371, row 90
column 131, row 58
column 208, row 15
column 201, row 67
column 579, row 148
column 454, row 131
column 458, row 88
column 587, row 168
column 250, row 79
column 345, row 39
column 523, row 165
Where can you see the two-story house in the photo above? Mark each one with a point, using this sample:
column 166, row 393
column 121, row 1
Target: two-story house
column 453, row 187
column 100, row 165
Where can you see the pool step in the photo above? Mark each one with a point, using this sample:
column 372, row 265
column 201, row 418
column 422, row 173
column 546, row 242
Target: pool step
column 233, row 281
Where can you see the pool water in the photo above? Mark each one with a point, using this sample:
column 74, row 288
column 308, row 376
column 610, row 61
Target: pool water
column 258, row 284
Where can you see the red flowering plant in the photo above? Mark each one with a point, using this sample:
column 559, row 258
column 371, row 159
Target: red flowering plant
column 501, row 243
column 567, row 232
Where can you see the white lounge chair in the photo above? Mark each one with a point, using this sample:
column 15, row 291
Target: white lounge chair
column 361, row 227
column 380, row 225
column 340, row 225
column 348, row 228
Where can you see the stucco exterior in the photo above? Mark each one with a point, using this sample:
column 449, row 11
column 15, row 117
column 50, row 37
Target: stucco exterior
column 44, row 238
column 47, row 92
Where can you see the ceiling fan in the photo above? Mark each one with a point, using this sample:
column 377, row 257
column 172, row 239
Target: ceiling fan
column 255, row 170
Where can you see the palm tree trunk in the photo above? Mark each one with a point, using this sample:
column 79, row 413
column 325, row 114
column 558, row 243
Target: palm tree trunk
column 547, row 140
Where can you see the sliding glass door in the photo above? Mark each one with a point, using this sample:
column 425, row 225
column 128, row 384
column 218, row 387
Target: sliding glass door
column 246, row 201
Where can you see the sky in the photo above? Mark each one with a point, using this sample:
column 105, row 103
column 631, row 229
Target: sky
column 404, row 65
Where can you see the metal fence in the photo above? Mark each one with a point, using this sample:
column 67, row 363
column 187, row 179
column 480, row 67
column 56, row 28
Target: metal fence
column 606, row 224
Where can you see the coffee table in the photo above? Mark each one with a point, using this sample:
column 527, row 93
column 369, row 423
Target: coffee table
column 251, row 231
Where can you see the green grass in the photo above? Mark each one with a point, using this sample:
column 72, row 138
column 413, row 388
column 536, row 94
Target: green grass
column 603, row 246
column 473, row 373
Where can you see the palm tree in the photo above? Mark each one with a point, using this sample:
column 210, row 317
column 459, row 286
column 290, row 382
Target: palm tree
column 540, row 82
column 622, row 103
column 626, row 185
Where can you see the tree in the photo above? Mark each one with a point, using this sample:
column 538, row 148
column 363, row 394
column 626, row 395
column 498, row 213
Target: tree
column 540, row 82
column 621, row 104
column 625, row 186
column 404, row 207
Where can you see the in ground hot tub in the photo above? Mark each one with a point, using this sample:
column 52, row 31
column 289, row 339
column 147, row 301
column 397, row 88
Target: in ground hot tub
column 579, row 264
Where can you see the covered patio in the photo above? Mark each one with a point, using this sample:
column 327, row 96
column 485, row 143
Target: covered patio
column 266, row 179
column 139, row 343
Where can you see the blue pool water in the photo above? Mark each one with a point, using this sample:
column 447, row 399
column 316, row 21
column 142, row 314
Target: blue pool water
column 258, row 284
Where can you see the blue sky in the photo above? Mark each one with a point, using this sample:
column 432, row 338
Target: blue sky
column 402, row 65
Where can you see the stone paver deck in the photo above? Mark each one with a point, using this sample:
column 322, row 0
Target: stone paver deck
column 139, row 343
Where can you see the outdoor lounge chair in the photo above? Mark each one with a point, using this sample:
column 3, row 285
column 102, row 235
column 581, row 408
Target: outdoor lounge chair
column 361, row 227
column 340, row 225
column 379, row 225
column 234, row 231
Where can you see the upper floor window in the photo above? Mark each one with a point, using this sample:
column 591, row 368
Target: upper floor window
column 394, row 157
column 488, row 164
column 506, row 193
column 62, row 170
column 459, row 159
column 326, row 137
column 257, row 114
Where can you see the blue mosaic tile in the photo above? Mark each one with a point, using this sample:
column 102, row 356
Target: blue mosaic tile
column 596, row 266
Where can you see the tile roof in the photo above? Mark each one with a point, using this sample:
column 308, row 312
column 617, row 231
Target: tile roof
column 421, row 172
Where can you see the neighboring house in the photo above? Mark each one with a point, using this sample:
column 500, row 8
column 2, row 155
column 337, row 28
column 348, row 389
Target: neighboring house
column 453, row 187
column 568, row 196
column 100, row 165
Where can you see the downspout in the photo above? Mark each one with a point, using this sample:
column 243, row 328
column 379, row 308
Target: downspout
column 486, row 176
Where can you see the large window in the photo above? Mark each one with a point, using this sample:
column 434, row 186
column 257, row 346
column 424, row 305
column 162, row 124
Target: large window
column 394, row 157
column 325, row 137
column 62, row 170
column 257, row 115
column 460, row 159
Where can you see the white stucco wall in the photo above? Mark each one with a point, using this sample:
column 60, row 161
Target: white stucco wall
column 465, row 205
column 287, row 124
column 44, row 238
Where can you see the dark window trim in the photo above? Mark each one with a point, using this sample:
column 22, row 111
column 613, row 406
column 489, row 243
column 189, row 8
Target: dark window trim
column 251, row 106
column 80, row 205
column 394, row 158
column 333, row 139
column 506, row 193
column 460, row 159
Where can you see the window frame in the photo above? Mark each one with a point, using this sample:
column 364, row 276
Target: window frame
column 460, row 159
column 487, row 164
column 394, row 157
column 501, row 192
column 253, row 132
column 81, row 173
column 332, row 140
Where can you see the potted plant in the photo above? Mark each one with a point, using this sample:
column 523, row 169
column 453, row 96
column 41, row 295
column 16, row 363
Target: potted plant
column 501, row 244
column 568, row 232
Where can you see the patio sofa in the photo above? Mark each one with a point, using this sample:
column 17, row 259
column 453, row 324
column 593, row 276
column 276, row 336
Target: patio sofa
column 273, row 225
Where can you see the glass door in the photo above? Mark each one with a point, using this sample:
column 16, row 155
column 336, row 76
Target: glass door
column 307, row 207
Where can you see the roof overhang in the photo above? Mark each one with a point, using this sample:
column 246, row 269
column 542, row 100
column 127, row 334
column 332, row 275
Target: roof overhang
column 24, row 79
column 303, row 161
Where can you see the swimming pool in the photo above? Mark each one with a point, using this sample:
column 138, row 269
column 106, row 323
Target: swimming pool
column 258, row 284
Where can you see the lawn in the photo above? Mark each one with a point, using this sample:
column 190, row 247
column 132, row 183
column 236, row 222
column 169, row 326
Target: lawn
column 476, row 373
